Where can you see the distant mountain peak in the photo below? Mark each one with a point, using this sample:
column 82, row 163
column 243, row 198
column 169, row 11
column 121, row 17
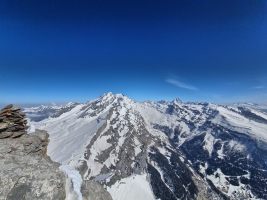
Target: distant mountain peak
column 177, row 101
column 109, row 96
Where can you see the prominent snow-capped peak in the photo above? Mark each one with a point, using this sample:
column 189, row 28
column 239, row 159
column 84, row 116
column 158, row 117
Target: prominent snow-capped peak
column 165, row 146
column 177, row 101
column 111, row 96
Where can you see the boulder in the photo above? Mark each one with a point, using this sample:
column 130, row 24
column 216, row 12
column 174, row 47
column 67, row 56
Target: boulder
column 92, row 190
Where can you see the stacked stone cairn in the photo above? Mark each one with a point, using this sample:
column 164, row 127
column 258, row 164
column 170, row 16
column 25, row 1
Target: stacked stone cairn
column 12, row 122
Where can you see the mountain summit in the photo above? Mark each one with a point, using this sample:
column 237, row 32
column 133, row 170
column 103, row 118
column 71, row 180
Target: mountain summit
column 154, row 150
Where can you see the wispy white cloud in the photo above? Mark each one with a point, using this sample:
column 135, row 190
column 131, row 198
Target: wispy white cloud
column 258, row 87
column 180, row 84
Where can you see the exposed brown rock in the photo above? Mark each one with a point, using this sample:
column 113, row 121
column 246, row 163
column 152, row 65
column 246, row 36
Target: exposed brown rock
column 12, row 122
column 18, row 134
column 3, row 126
column 5, row 134
column 8, row 106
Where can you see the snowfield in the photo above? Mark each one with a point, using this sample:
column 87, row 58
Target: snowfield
column 132, row 188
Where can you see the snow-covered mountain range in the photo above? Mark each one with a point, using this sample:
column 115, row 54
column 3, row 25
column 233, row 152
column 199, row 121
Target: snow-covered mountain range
column 159, row 150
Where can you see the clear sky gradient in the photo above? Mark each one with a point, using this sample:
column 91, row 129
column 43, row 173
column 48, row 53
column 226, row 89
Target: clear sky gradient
column 198, row 50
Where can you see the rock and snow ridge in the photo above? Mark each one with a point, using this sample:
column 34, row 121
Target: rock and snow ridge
column 175, row 150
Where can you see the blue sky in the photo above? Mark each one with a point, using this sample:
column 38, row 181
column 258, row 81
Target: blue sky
column 57, row 51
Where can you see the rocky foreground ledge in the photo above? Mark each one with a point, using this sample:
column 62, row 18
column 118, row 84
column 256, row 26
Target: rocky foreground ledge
column 26, row 172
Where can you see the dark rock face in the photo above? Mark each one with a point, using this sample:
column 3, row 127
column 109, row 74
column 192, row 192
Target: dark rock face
column 92, row 190
column 26, row 172
column 178, row 182
column 231, row 155
column 250, row 115
column 246, row 166
column 159, row 188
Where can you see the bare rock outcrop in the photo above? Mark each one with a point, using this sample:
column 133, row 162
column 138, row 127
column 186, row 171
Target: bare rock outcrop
column 92, row 190
column 26, row 172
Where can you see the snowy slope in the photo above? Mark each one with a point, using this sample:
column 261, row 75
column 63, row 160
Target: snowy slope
column 238, row 122
column 161, row 150
column 132, row 188
column 69, row 134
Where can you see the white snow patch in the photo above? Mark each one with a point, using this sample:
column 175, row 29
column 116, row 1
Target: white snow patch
column 137, row 148
column 73, row 183
column 220, row 152
column 236, row 146
column 209, row 142
column 31, row 128
column 202, row 168
column 132, row 188
column 220, row 182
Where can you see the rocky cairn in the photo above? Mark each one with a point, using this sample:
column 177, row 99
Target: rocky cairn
column 12, row 122
column 26, row 172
